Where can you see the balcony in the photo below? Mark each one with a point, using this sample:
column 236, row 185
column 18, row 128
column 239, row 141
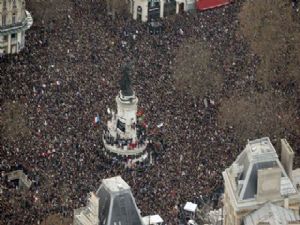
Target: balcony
column 125, row 150
column 17, row 27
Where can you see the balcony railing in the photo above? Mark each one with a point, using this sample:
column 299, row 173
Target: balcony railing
column 9, row 26
column 14, row 28
column 124, row 149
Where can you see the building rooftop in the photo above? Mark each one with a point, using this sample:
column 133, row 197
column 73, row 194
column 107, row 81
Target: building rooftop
column 271, row 214
column 115, row 184
column 296, row 177
column 112, row 204
column 258, row 155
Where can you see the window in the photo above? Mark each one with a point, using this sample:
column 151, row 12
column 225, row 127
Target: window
column 139, row 9
column 5, row 38
column 139, row 13
column 152, row 4
column 3, row 20
column 14, row 3
column 121, row 126
column 13, row 36
column 13, row 18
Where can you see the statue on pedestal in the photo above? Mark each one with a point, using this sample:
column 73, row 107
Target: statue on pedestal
column 125, row 82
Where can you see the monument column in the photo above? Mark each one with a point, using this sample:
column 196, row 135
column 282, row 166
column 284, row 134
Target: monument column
column 125, row 136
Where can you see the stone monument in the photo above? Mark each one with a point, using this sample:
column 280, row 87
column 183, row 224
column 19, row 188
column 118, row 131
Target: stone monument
column 125, row 135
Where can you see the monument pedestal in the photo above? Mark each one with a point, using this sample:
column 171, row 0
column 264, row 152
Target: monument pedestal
column 125, row 136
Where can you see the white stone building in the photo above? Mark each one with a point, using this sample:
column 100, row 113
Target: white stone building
column 125, row 136
column 113, row 204
column 14, row 21
column 148, row 10
column 23, row 180
column 260, row 188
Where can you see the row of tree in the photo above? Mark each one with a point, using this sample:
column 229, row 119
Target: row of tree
column 269, row 107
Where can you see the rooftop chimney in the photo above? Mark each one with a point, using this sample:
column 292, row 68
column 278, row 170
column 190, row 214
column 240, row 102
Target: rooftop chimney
column 268, row 184
column 287, row 157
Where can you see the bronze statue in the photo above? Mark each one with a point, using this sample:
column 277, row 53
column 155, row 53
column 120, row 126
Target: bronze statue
column 125, row 83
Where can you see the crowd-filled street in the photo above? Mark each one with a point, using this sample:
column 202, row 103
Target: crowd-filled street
column 69, row 72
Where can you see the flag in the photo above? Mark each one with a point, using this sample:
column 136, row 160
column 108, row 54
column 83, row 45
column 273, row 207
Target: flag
column 160, row 125
column 145, row 125
column 97, row 119
column 140, row 113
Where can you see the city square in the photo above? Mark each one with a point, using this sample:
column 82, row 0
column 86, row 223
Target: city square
column 58, row 94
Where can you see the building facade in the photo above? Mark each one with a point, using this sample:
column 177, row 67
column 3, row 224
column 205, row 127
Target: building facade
column 151, row 10
column 260, row 188
column 14, row 21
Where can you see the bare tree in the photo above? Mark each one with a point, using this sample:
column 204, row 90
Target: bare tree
column 194, row 70
column 45, row 11
column 13, row 123
column 117, row 7
column 56, row 219
column 257, row 115
column 274, row 35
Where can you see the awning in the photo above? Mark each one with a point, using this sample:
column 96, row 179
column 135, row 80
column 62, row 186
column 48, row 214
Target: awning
column 191, row 207
column 155, row 219
column 209, row 4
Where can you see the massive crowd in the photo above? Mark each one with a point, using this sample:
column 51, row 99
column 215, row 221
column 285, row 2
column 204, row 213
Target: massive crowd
column 69, row 73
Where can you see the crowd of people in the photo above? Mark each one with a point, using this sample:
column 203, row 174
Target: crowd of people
column 69, row 72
